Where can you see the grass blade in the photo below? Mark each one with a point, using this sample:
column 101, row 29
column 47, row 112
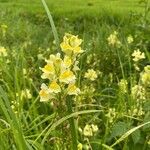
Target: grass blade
column 66, row 118
column 51, row 23
column 128, row 133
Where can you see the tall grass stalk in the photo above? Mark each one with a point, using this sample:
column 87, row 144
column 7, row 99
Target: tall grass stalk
column 51, row 23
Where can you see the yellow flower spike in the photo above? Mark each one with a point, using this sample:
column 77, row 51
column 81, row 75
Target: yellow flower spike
column 73, row 90
column 54, row 87
column 67, row 77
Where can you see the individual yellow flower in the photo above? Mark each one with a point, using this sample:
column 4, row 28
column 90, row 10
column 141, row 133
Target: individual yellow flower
column 94, row 128
column 67, row 77
column 80, row 146
column 73, row 90
column 130, row 39
column 137, row 55
column 44, row 93
column 55, row 60
column 71, row 44
column 91, row 74
column 67, row 62
column 136, row 67
column 26, row 94
column 54, row 87
column 3, row 52
column 48, row 71
column 87, row 131
column 75, row 67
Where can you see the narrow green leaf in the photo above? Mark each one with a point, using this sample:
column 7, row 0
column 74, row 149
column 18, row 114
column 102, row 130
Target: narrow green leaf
column 128, row 133
column 51, row 23
column 53, row 126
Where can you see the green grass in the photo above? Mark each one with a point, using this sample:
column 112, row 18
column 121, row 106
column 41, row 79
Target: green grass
column 78, row 8
column 27, row 123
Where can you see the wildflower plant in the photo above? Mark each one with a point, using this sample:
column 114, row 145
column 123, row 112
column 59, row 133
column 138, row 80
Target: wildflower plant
column 113, row 40
column 60, row 73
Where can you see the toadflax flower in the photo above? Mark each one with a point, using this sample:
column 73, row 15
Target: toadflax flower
column 73, row 90
column 89, row 130
column 137, row 55
column 61, row 70
column 44, row 93
column 130, row 39
column 91, row 74
column 67, row 77
column 123, row 86
column 94, row 128
column 113, row 39
column 54, row 87
column 71, row 45
column 80, row 146
column 138, row 92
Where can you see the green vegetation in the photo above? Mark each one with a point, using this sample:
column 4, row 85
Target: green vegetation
column 112, row 111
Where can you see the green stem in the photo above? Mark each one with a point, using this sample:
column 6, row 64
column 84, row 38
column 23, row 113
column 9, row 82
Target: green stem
column 72, row 123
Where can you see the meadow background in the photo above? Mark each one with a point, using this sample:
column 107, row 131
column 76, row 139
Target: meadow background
column 26, row 34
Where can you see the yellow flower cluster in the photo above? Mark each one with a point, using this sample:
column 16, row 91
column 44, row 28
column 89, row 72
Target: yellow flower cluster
column 123, row 86
column 130, row 39
column 137, row 55
column 89, row 130
column 61, row 71
column 113, row 39
column 138, row 92
column 111, row 115
column 71, row 45
column 91, row 74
